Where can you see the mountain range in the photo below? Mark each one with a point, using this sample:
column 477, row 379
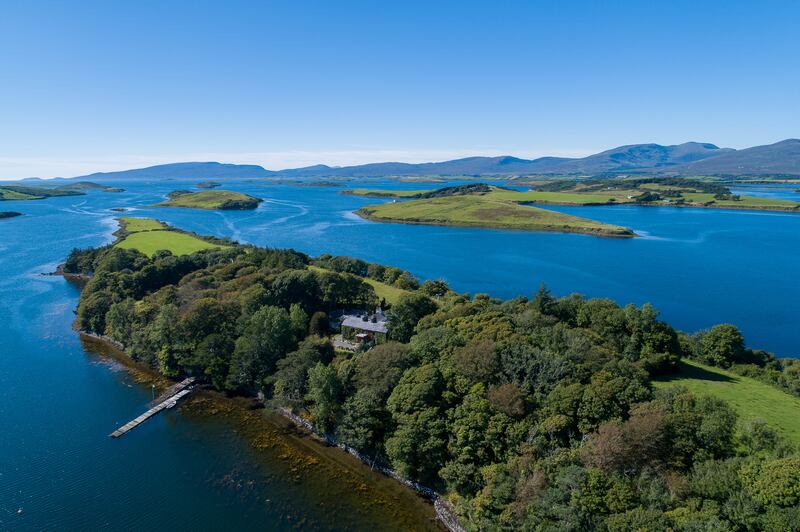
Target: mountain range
column 690, row 158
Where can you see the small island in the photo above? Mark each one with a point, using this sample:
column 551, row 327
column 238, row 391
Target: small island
column 479, row 205
column 9, row 214
column 211, row 200
column 208, row 184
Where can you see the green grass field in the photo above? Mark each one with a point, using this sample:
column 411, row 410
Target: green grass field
column 134, row 225
column 745, row 202
column 384, row 291
column 213, row 200
column 148, row 242
column 148, row 236
column 559, row 198
column 751, row 398
column 486, row 211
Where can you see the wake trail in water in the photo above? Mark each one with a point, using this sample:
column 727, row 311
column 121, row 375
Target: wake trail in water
column 701, row 237
column 302, row 211
column 236, row 234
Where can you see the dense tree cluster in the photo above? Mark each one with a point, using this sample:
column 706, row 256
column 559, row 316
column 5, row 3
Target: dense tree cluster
column 384, row 274
column 531, row 414
column 227, row 314
column 668, row 183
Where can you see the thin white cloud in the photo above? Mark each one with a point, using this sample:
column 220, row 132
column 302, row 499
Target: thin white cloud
column 12, row 168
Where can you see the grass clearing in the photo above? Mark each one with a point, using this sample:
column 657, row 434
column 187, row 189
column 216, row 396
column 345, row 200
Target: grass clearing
column 148, row 242
column 149, row 235
column 390, row 293
column 559, row 198
column 744, row 202
column 750, row 398
column 385, row 291
column 134, row 225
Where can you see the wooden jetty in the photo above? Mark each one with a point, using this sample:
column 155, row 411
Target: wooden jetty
column 179, row 391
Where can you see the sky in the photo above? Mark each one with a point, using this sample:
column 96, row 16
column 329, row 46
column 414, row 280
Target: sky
column 91, row 86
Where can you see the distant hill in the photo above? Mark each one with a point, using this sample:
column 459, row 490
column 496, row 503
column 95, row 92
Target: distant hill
column 210, row 170
column 640, row 156
column 625, row 158
column 779, row 158
column 689, row 158
column 680, row 159
column 467, row 166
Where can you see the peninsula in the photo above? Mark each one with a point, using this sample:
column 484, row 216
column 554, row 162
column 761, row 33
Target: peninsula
column 502, row 407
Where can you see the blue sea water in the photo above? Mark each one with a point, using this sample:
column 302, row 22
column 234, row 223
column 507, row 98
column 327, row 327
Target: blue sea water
column 58, row 402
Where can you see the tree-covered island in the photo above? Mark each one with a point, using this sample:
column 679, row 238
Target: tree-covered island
column 538, row 413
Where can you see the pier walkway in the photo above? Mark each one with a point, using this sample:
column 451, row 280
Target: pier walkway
column 180, row 391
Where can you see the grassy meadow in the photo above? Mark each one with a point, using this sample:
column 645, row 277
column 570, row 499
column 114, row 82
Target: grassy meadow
column 134, row 225
column 385, row 291
column 148, row 236
column 751, row 398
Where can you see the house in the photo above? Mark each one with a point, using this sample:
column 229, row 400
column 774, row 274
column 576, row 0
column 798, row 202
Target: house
column 364, row 327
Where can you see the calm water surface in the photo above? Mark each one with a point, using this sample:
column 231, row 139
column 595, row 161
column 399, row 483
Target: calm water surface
column 58, row 402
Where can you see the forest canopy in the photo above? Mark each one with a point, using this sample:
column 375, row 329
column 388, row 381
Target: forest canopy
column 535, row 413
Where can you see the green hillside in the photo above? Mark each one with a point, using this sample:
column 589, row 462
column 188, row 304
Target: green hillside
column 751, row 398
column 212, row 200
column 148, row 236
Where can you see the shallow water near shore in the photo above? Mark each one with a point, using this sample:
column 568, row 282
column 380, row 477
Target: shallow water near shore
column 208, row 466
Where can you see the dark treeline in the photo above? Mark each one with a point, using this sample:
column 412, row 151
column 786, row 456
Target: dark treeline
column 707, row 187
column 530, row 414
column 384, row 274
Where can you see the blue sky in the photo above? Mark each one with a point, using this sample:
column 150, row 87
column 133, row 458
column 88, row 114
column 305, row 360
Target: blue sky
column 92, row 86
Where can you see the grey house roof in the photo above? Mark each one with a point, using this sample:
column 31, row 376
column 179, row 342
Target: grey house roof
column 357, row 322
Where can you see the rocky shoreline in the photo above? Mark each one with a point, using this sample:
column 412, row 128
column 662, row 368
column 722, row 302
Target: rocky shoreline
column 444, row 512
